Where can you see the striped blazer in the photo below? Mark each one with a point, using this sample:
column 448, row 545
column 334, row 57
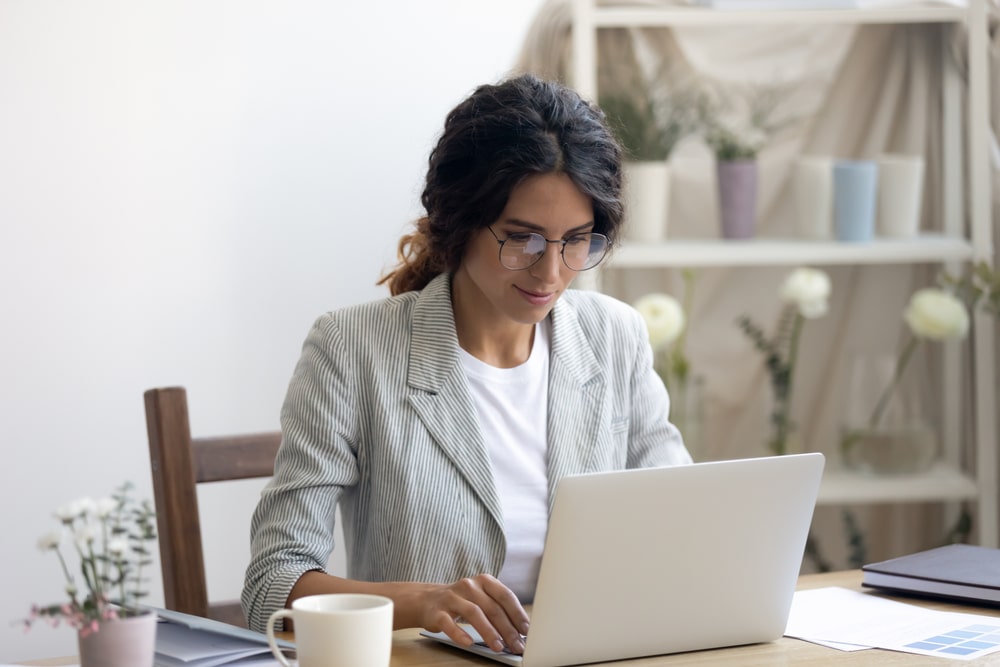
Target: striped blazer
column 379, row 418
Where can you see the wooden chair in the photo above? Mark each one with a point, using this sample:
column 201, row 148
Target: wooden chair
column 179, row 463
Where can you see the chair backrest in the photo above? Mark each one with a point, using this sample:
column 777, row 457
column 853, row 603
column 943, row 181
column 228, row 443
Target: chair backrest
column 179, row 463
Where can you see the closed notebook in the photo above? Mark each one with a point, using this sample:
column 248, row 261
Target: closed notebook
column 960, row 571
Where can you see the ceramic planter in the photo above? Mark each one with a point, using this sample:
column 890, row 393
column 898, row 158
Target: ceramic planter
column 120, row 642
column 737, row 185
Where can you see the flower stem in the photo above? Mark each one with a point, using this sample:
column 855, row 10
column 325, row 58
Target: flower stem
column 679, row 364
column 883, row 401
column 781, row 439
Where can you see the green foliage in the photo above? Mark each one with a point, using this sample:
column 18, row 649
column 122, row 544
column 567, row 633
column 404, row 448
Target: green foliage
column 649, row 126
column 857, row 548
column 980, row 285
column 779, row 360
column 737, row 122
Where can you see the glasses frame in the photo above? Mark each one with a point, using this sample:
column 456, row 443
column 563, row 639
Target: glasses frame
column 562, row 249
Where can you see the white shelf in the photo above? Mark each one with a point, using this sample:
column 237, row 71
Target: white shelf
column 940, row 483
column 633, row 17
column 771, row 252
column 966, row 196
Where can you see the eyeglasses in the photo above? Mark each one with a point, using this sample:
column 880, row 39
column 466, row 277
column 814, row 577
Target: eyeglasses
column 522, row 250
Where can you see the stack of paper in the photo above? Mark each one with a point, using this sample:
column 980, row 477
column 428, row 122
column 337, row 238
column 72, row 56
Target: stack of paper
column 848, row 620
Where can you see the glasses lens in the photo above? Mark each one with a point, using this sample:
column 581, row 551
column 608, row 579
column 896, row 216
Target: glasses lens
column 585, row 251
column 519, row 251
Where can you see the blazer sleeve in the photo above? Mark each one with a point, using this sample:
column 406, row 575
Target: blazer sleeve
column 653, row 439
column 292, row 527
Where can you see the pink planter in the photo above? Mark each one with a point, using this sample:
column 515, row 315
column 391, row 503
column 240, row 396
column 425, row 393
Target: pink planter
column 737, row 186
column 122, row 642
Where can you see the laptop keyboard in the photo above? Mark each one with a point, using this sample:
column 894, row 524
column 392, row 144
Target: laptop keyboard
column 505, row 649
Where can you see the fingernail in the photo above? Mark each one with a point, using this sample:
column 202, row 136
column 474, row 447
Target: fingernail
column 497, row 646
column 518, row 647
column 524, row 628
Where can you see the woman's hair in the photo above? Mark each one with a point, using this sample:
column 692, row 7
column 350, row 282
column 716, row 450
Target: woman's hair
column 492, row 141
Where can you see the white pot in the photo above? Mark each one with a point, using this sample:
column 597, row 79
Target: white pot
column 900, row 191
column 647, row 201
column 813, row 187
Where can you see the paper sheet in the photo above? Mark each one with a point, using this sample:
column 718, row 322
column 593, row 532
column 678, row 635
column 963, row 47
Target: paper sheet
column 838, row 615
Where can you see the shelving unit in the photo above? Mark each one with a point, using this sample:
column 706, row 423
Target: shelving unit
column 965, row 180
column 777, row 252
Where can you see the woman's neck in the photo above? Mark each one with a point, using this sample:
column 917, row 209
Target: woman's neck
column 494, row 340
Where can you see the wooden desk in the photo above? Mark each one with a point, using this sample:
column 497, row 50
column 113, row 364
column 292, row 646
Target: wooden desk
column 410, row 649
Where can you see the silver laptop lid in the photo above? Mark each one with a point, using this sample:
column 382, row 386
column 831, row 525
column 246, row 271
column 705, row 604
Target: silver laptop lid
column 662, row 560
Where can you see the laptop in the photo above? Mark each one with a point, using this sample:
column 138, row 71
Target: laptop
column 664, row 560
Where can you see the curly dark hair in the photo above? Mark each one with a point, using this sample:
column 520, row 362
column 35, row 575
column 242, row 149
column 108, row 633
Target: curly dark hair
column 492, row 141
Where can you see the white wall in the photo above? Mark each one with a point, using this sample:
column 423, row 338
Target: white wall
column 184, row 186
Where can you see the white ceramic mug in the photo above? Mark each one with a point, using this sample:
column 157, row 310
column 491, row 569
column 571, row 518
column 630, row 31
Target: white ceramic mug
column 338, row 630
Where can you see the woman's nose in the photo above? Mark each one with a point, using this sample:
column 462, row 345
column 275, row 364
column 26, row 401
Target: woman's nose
column 550, row 265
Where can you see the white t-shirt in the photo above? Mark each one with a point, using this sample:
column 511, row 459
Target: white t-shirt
column 513, row 413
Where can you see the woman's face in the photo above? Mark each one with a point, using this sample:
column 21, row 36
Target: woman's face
column 547, row 204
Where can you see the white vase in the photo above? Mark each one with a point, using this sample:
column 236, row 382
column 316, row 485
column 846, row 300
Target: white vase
column 647, row 201
column 120, row 642
column 812, row 185
column 900, row 191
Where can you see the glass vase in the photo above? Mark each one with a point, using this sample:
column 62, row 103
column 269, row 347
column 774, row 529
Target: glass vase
column 885, row 429
column 686, row 413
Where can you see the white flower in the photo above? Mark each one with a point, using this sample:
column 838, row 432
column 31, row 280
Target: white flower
column 664, row 318
column 105, row 506
column 84, row 536
column 78, row 508
column 84, row 507
column 117, row 546
column 808, row 289
column 49, row 541
column 936, row 314
column 66, row 513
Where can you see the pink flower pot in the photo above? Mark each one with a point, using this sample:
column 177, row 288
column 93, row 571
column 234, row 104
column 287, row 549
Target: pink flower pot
column 737, row 184
column 120, row 642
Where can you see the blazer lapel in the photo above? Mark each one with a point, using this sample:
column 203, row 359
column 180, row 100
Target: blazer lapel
column 576, row 408
column 440, row 395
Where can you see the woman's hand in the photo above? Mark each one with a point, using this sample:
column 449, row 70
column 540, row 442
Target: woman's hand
column 482, row 602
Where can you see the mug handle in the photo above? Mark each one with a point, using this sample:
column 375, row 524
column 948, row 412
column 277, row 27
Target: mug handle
column 281, row 613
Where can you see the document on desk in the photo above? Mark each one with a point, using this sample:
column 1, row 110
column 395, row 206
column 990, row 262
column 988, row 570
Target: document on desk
column 838, row 615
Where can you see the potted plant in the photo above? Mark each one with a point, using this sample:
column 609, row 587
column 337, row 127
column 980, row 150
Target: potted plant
column 109, row 538
column 649, row 122
column 736, row 123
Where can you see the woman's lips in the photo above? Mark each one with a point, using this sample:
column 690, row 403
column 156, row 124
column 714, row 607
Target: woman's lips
column 535, row 298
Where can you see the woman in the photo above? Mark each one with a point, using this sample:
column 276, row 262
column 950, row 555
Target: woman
column 441, row 418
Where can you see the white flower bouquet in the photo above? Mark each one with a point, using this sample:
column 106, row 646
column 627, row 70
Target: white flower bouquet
column 110, row 538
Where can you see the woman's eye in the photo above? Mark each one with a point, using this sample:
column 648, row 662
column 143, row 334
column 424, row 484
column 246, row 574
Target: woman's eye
column 519, row 238
column 578, row 240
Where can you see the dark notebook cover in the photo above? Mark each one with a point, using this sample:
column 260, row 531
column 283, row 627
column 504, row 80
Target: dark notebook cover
column 957, row 571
